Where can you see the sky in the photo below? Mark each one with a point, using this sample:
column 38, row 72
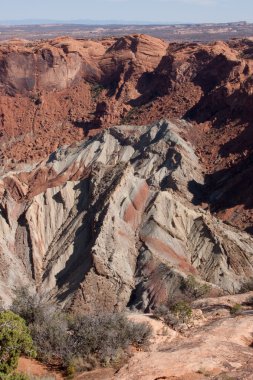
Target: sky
column 162, row 11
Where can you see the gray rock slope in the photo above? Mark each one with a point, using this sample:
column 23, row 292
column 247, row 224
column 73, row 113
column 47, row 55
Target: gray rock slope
column 110, row 222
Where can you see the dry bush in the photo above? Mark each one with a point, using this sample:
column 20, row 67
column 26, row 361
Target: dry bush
column 31, row 306
column 107, row 336
column 247, row 287
column 80, row 341
column 52, row 339
column 192, row 289
column 249, row 301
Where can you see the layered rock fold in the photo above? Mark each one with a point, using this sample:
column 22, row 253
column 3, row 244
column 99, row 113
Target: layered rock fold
column 111, row 222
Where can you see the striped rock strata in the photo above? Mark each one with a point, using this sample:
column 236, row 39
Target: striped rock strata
column 111, row 222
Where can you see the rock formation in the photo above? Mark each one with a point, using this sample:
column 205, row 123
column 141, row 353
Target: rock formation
column 217, row 346
column 111, row 222
column 126, row 166
column 127, row 211
column 56, row 92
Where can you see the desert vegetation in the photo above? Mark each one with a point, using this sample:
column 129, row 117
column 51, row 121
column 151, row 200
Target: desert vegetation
column 15, row 339
column 96, row 90
column 72, row 342
column 16, row 376
column 178, row 309
column 192, row 289
column 129, row 115
column 235, row 310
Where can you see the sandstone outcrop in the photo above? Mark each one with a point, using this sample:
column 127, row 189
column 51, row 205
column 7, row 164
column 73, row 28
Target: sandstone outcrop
column 56, row 92
column 110, row 222
column 218, row 348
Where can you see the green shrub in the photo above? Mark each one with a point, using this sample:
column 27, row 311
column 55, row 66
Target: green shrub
column 15, row 340
column 129, row 115
column 16, row 376
column 236, row 309
column 178, row 313
column 71, row 370
column 96, row 90
column 182, row 310
column 194, row 289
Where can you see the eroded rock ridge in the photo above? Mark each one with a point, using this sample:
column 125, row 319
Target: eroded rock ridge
column 114, row 221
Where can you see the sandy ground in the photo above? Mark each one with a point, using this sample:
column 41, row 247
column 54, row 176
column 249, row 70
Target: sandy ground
column 34, row 368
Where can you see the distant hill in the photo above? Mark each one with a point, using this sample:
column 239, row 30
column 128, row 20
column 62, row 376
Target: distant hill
column 78, row 22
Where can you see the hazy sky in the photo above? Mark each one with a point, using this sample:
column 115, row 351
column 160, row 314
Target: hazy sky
column 131, row 10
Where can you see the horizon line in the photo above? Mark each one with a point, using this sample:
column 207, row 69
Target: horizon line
column 93, row 22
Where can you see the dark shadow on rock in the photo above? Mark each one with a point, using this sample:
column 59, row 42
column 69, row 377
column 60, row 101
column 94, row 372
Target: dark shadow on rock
column 216, row 71
column 58, row 197
column 136, row 297
column 249, row 230
column 227, row 188
column 199, row 192
column 217, row 104
column 211, row 308
column 80, row 260
column 219, row 107
column 86, row 126
column 242, row 142
column 152, row 85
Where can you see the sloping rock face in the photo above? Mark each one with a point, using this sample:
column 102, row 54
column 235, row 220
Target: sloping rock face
column 216, row 347
column 56, row 92
column 111, row 222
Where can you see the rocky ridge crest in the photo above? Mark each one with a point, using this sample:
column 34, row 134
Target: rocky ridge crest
column 114, row 215
column 56, row 92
